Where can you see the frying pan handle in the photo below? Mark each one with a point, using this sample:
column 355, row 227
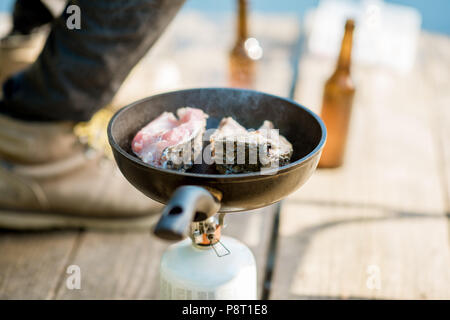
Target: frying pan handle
column 188, row 203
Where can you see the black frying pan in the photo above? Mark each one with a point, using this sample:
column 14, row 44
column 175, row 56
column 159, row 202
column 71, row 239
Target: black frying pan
column 200, row 193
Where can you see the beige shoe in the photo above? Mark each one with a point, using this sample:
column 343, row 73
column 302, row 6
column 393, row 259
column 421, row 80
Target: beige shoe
column 48, row 179
column 19, row 51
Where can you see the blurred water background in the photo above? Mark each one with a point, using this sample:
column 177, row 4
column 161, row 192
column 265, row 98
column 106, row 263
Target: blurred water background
column 435, row 13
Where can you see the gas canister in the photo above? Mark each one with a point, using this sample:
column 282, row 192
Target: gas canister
column 208, row 266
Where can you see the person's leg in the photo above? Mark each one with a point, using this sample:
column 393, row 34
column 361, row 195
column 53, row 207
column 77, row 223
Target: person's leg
column 48, row 176
column 79, row 71
column 26, row 38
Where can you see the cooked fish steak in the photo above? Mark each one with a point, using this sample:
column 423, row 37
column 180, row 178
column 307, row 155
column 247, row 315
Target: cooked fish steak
column 237, row 150
column 169, row 142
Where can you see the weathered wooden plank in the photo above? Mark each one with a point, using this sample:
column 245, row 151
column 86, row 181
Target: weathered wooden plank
column 207, row 66
column 384, row 210
column 126, row 265
column 115, row 266
column 123, row 265
column 30, row 263
column 332, row 252
column 392, row 157
column 193, row 52
column 444, row 140
column 436, row 75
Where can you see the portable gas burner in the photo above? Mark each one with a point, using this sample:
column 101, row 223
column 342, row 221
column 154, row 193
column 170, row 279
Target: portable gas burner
column 207, row 265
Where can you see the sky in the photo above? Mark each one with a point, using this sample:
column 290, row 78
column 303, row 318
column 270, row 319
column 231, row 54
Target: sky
column 435, row 13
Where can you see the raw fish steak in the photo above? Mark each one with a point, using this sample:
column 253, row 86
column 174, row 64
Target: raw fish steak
column 238, row 150
column 169, row 142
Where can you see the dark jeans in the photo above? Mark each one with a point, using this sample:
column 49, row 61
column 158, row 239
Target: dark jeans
column 79, row 71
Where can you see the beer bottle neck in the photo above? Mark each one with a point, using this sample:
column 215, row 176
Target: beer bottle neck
column 242, row 21
column 345, row 55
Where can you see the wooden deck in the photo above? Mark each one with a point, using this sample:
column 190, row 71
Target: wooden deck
column 383, row 217
column 375, row 228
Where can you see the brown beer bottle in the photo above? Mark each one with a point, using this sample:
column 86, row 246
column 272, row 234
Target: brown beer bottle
column 240, row 64
column 337, row 104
